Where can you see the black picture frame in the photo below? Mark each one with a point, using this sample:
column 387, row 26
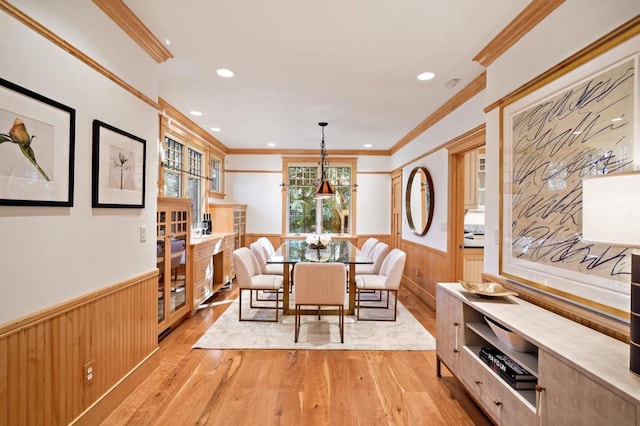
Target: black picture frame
column 118, row 168
column 37, row 148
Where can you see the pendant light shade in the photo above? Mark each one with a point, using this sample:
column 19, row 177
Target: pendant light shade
column 324, row 190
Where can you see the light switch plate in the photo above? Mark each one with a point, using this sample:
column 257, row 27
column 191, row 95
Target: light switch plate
column 143, row 234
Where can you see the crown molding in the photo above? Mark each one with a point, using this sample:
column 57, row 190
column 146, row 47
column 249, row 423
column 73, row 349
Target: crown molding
column 526, row 20
column 265, row 151
column 133, row 26
column 470, row 90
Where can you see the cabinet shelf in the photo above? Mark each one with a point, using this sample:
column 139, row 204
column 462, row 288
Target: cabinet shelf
column 526, row 396
column 528, row 360
column 583, row 375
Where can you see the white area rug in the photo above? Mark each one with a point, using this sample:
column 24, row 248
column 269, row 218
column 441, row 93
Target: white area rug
column 229, row 333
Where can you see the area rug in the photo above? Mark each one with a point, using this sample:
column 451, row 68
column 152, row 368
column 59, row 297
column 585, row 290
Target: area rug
column 406, row 333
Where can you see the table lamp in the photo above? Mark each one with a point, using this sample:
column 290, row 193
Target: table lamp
column 611, row 215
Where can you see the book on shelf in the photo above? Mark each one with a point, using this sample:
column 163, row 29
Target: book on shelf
column 504, row 365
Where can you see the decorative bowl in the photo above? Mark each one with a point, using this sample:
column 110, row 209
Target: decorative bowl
column 487, row 289
column 510, row 338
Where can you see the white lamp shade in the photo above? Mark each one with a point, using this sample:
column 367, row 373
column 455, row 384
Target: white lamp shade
column 611, row 209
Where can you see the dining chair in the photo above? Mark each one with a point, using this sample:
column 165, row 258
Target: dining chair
column 387, row 280
column 378, row 254
column 319, row 284
column 267, row 244
column 249, row 277
column 368, row 246
column 262, row 255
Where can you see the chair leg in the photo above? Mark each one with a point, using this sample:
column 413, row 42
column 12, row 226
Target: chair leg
column 277, row 307
column 395, row 306
column 297, row 323
column 341, row 310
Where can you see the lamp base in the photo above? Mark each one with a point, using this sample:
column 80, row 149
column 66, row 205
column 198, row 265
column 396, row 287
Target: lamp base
column 634, row 361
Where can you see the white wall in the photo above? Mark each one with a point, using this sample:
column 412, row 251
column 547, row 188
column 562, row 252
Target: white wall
column 255, row 180
column 51, row 254
column 466, row 117
column 573, row 26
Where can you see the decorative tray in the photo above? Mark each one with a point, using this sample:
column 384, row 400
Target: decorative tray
column 487, row 289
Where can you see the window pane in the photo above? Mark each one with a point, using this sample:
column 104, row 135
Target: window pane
column 171, row 184
column 193, row 189
column 215, row 175
column 193, row 184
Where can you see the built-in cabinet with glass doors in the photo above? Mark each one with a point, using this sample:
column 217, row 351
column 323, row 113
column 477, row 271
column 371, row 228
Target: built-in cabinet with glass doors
column 172, row 231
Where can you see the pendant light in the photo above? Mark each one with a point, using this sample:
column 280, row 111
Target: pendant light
column 324, row 190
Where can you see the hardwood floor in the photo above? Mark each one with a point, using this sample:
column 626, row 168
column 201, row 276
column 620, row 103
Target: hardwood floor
column 294, row 387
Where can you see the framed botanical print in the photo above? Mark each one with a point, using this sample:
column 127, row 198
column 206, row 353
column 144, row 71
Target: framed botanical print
column 119, row 165
column 37, row 136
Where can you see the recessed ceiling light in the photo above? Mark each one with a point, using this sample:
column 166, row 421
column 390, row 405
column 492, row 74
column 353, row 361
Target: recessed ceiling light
column 195, row 113
column 367, row 145
column 426, row 76
column 616, row 119
column 167, row 42
column 223, row 72
column 271, row 144
column 215, row 129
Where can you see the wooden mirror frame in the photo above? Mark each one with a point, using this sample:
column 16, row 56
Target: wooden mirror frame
column 427, row 189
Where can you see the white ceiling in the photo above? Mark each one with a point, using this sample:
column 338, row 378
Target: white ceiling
column 352, row 63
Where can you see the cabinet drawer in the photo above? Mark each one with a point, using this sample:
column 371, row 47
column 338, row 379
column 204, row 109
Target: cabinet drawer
column 203, row 270
column 498, row 399
column 203, row 250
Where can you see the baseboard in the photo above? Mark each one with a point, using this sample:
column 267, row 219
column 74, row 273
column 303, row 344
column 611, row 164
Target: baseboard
column 104, row 406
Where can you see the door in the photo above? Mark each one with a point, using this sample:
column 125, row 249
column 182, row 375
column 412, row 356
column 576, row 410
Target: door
column 455, row 229
column 396, row 210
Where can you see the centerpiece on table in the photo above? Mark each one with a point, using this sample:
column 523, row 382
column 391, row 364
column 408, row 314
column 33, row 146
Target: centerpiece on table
column 318, row 241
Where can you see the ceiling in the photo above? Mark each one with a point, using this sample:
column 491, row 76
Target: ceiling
column 351, row 63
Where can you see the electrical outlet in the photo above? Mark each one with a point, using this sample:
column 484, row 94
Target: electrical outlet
column 143, row 234
column 89, row 372
column 417, row 272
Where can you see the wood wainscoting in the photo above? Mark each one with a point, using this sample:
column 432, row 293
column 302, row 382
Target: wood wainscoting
column 425, row 267
column 44, row 356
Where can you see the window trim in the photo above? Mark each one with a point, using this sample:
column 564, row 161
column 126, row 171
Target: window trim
column 333, row 162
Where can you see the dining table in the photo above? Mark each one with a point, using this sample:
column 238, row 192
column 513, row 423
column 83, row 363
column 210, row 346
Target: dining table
column 295, row 251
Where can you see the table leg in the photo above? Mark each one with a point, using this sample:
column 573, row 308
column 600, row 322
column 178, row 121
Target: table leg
column 352, row 290
column 285, row 289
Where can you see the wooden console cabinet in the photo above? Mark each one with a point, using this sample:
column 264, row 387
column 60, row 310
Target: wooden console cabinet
column 583, row 376
column 212, row 265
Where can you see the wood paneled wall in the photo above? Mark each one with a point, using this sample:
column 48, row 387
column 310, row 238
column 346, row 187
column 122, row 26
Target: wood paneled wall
column 424, row 268
column 43, row 356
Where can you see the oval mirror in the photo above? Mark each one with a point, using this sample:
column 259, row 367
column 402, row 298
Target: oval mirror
column 419, row 200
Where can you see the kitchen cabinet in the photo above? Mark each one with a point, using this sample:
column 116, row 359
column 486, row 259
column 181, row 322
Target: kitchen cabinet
column 474, row 180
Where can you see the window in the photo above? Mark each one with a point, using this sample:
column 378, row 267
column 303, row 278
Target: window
column 173, row 168
column 305, row 214
column 183, row 175
column 193, row 182
column 215, row 175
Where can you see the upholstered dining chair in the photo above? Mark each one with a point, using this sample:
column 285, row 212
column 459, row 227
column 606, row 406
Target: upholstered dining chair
column 267, row 244
column 262, row 255
column 319, row 284
column 378, row 254
column 249, row 277
column 387, row 280
column 368, row 246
